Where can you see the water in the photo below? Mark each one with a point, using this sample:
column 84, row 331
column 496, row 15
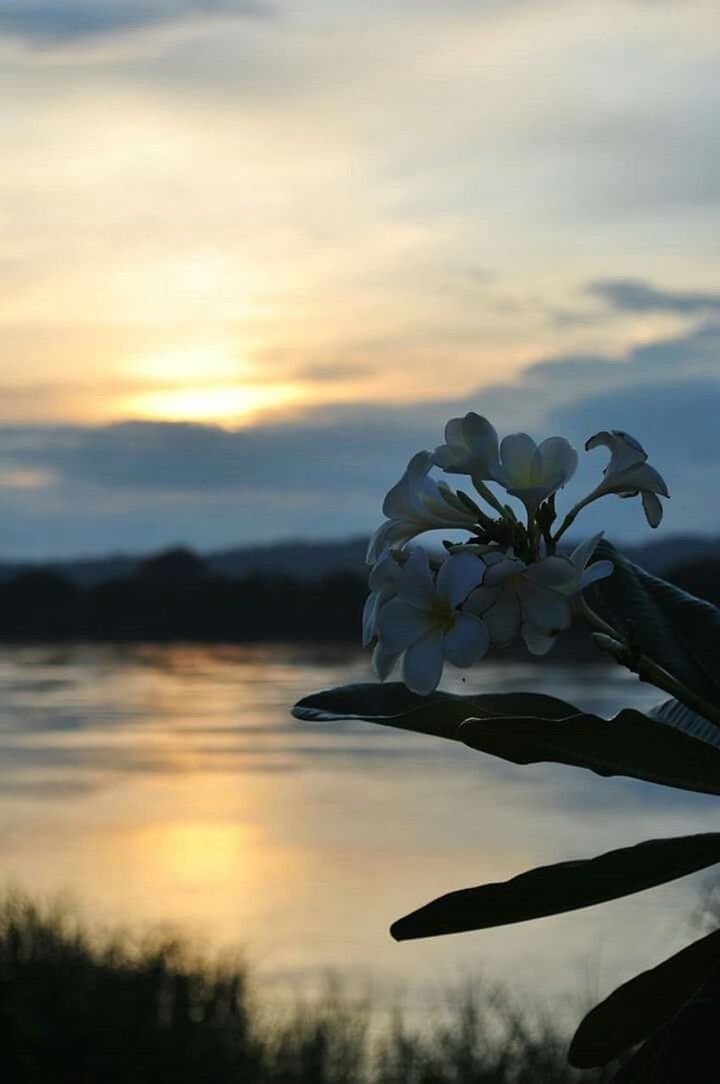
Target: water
column 168, row 786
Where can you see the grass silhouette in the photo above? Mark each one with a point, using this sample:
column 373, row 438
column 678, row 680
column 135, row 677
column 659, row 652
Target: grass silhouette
column 78, row 1008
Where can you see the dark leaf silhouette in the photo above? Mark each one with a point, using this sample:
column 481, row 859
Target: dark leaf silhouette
column 676, row 715
column 644, row 1004
column 439, row 714
column 631, row 744
column 567, row 886
column 684, row 1051
column 675, row 629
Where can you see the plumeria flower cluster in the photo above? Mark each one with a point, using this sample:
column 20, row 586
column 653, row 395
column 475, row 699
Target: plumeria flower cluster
column 507, row 579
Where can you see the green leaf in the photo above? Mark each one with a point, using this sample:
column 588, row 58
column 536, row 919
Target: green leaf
column 631, row 745
column 643, row 1004
column 439, row 714
column 567, row 886
column 675, row 629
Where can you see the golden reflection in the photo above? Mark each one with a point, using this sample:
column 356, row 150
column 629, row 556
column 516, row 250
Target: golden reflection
column 201, row 852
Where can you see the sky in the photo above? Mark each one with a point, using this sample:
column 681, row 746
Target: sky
column 255, row 253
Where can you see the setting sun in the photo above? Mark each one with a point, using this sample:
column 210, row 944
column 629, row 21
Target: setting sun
column 213, row 403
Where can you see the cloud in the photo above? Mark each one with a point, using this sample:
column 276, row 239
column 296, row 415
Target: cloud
column 57, row 22
column 330, row 372
column 632, row 295
column 189, row 459
column 142, row 485
column 678, row 421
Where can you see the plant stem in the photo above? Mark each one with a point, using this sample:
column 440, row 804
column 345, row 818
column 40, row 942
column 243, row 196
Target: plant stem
column 487, row 495
column 646, row 669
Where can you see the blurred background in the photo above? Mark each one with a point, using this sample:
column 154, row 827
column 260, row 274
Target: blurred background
column 254, row 255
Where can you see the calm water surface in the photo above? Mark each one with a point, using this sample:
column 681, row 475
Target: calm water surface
column 170, row 786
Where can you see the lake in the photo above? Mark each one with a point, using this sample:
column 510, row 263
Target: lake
column 168, row 786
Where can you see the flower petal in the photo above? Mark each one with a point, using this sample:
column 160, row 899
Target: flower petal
column 599, row 571
column 423, row 664
column 516, row 452
column 402, row 501
column 503, row 619
column 634, row 480
column 625, row 450
column 554, row 463
column 557, row 573
column 415, row 583
column 653, row 508
column 369, row 617
column 400, row 625
column 582, row 553
column 385, row 573
column 538, row 641
column 393, row 532
column 458, row 576
column 543, row 607
column 467, row 641
column 481, row 599
column 499, row 571
column 384, row 662
column 455, row 433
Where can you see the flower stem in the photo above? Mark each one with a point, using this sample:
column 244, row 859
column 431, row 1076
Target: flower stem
column 487, row 495
column 615, row 644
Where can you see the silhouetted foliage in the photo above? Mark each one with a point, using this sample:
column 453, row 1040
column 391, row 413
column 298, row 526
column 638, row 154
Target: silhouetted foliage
column 175, row 596
column 76, row 1009
column 701, row 578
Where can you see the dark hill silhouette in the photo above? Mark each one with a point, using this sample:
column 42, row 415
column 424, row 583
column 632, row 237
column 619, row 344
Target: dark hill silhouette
column 304, row 560
column 179, row 596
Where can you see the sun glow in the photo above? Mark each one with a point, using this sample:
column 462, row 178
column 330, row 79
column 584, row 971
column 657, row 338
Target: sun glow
column 190, row 364
column 203, row 382
column 211, row 403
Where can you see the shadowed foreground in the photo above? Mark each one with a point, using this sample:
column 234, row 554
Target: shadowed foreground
column 98, row 1011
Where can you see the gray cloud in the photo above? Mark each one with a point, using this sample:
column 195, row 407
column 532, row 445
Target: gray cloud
column 632, row 295
column 56, row 22
column 141, row 485
column 327, row 372
column 678, row 421
column 199, row 459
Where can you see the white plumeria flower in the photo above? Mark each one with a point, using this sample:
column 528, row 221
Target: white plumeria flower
column 425, row 623
column 416, row 504
column 382, row 581
column 471, row 447
column 527, row 599
column 540, row 639
column 533, row 472
column 628, row 473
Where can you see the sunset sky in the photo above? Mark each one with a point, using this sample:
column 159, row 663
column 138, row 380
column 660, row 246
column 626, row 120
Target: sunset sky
column 254, row 254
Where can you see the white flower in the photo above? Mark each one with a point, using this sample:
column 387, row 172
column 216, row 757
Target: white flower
column 471, row 447
column 416, row 504
column 425, row 623
column 628, row 473
column 527, row 599
column 533, row 472
column 539, row 638
column 382, row 581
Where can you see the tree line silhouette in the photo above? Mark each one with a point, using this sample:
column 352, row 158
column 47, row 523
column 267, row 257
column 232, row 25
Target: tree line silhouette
column 175, row 596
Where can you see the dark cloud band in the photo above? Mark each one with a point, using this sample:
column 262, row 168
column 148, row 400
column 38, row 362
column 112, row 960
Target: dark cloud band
column 57, row 22
column 630, row 295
